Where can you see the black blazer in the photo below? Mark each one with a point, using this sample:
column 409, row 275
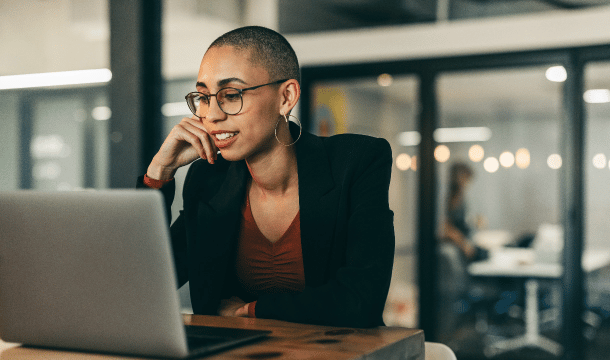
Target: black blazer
column 347, row 233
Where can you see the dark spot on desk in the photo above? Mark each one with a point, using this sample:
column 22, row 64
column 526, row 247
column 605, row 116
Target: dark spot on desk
column 339, row 332
column 326, row 341
column 265, row 355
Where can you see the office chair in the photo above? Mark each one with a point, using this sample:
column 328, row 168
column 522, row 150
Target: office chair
column 438, row 351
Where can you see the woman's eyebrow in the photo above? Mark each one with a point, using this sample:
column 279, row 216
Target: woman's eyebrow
column 221, row 83
column 224, row 82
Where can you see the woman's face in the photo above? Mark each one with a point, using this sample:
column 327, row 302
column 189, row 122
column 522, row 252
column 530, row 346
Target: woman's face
column 252, row 130
column 464, row 179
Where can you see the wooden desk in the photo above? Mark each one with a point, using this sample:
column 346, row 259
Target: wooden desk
column 287, row 341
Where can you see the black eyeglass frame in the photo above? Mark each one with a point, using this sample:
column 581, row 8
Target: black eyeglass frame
column 240, row 91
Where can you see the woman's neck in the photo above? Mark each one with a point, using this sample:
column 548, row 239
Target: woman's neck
column 275, row 172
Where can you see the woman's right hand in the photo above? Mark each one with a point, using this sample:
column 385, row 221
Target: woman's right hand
column 187, row 142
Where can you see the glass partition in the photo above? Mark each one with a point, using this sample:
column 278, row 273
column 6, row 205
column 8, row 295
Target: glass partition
column 596, row 255
column 384, row 107
column 64, row 138
column 57, row 137
column 499, row 231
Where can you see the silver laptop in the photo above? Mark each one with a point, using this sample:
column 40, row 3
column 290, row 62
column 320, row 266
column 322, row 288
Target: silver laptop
column 93, row 271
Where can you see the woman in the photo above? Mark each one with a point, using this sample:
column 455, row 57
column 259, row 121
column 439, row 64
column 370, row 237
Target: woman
column 457, row 230
column 455, row 252
column 279, row 225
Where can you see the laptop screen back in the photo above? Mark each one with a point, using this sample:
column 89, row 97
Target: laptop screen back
column 89, row 270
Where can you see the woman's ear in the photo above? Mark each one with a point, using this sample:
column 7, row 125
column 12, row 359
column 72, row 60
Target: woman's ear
column 290, row 94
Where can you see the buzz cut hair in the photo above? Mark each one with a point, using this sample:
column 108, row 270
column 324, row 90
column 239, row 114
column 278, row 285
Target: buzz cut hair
column 268, row 49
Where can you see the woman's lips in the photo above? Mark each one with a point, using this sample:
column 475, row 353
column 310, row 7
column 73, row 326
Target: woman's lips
column 222, row 143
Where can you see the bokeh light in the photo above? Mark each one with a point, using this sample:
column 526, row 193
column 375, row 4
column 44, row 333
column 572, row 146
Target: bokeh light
column 384, row 80
column 476, row 153
column 554, row 161
column 491, row 164
column 597, row 96
column 414, row 162
column 599, row 161
column 522, row 158
column 403, row 162
column 101, row 113
column 507, row 159
column 556, row 74
column 442, row 153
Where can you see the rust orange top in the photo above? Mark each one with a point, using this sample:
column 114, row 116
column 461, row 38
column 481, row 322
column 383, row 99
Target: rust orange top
column 266, row 267
column 263, row 266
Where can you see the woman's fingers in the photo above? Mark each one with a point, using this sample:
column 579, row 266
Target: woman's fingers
column 185, row 134
column 195, row 121
column 204, row 139
column 232, row 307
column 187, row 142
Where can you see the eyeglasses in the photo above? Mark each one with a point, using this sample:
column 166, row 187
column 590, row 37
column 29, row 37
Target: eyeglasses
column 230, row 100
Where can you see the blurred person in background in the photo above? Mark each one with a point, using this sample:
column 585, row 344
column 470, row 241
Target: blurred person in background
column 456, row 251
column 456, row 229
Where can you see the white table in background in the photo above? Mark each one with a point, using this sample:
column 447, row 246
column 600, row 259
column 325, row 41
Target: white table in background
column 521, row 263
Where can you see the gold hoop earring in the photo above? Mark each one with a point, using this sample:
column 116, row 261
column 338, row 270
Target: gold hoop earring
column 287, row 121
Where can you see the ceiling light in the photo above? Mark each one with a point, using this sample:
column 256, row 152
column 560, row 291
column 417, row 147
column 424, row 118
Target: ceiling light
column 599, row 161
column 49, row 146
column 554, row 161
column 101, row 113
column 409, row 138
column 556, row 74
column 597, row 96
column 462, row 134
column 175, row 109
column 77, row 77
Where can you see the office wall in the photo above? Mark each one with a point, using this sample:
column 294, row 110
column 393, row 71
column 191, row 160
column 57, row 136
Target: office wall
column 555, row 29
column 76, row 35
column 61, row 35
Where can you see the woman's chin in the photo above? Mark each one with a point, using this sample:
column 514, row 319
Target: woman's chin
column 231, row 155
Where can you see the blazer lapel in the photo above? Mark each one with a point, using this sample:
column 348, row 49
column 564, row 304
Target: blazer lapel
column 216, row 224
column 218, row 218
column 318, row 202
